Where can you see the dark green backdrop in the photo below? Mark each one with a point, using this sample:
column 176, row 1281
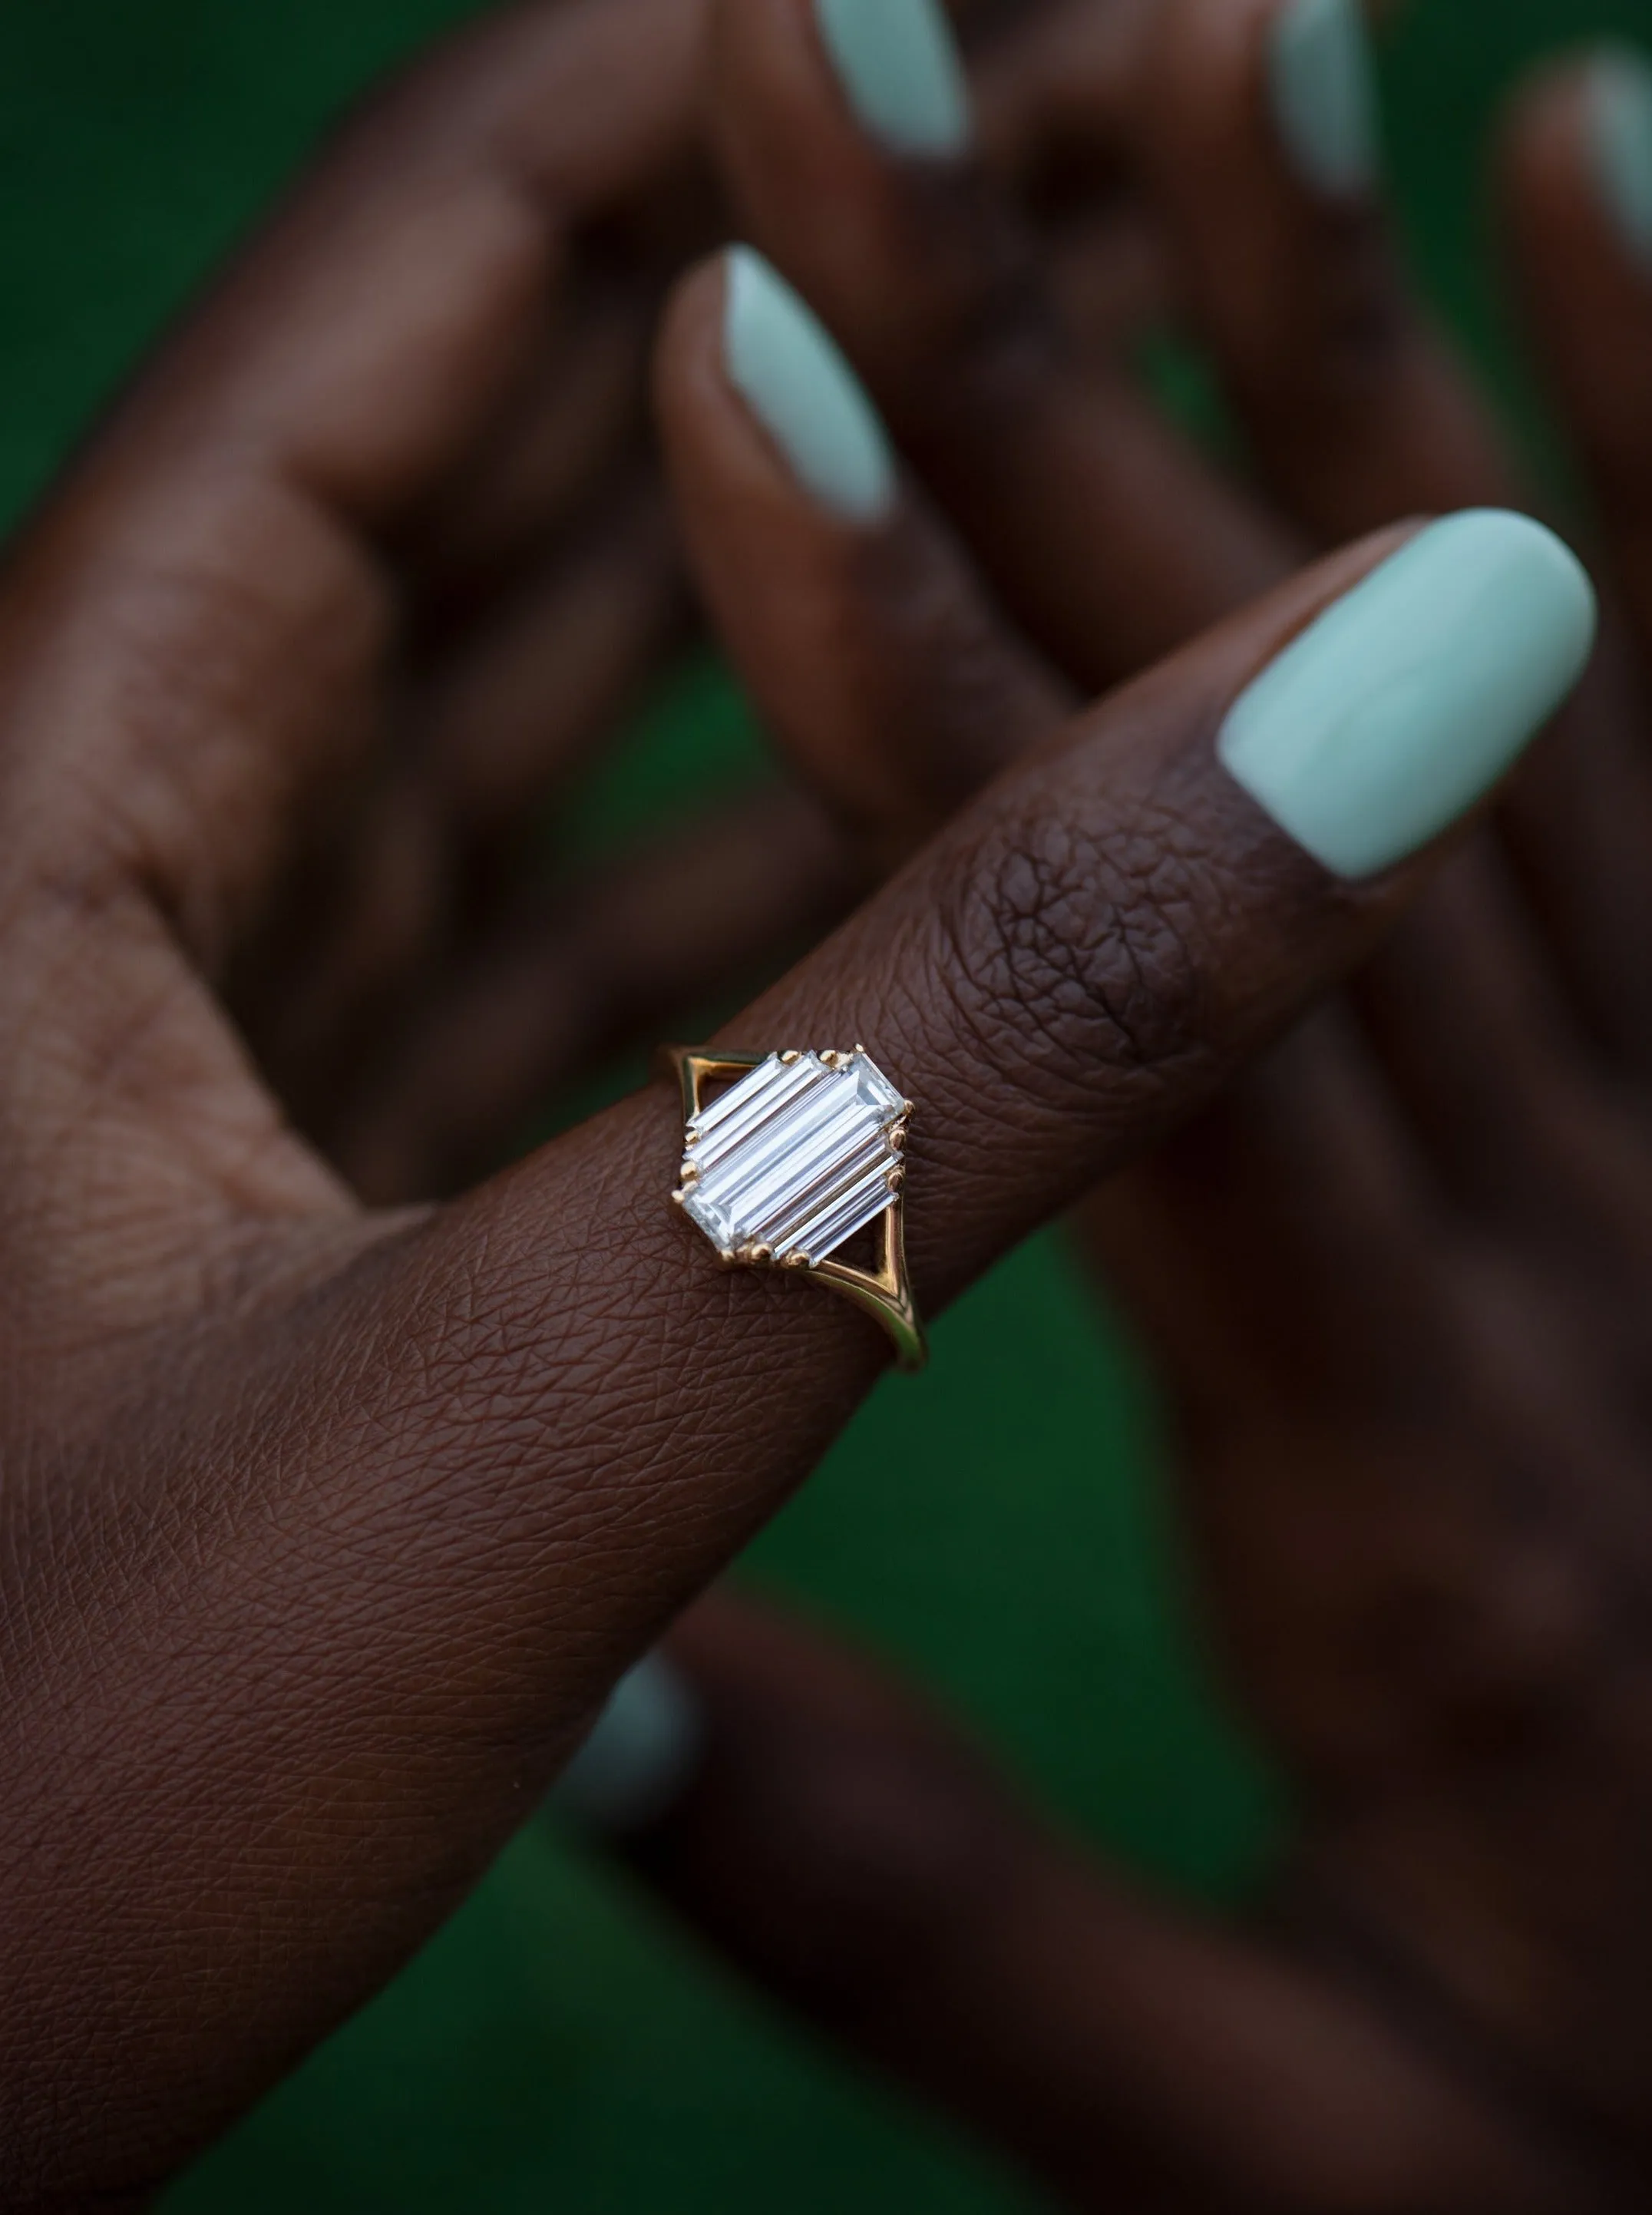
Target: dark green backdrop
column 996, row 1523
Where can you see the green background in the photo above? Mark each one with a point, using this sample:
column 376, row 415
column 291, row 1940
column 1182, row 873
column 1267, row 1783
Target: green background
column 996, row 1524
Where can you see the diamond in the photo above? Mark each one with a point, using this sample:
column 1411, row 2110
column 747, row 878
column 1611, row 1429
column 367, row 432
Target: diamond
column 796, row 1157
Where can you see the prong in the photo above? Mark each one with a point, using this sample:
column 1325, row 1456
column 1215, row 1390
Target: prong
column 898, row 1138
column 690, row 1172
column 794, row 1260
column 760, row 1256
column 691, row 1138
column 679, row 1200
column 896, row 1175
column 729, row 1258
column 908, row 1107
column 860, row 1050
column 789, row 1060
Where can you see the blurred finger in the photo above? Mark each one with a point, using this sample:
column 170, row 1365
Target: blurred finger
column 554, row 990
column 507, row 719
column 579, row 417
column 1224, row 1244
column 876, row 658
column 440, row 841
column 1496, row 1081
column 843, row 1844
column 1263, row 143
column 1105, row 535
column 1578, row 144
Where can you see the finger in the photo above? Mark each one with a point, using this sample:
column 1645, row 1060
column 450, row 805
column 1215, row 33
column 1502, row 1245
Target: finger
column 1223, row 1245
column 1266, row 149
column 562, row 984
column 1057, row 106
column 876, row 658
column 1570, row 175
column 1105, row 535
column 478, row 1459
column 863, row 1863
column 580, row 417
column 1077, row 960
column 1497, row 1083
column 1057, row 100
column 1262, row 141
column 517, row 710
column 1573, row 145
column 440, row 842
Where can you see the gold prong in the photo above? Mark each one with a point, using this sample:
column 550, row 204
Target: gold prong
column 898, row 1138
column 790, row 1060
column 691, row 1139
column 690, row 1172
column 679, row 1200
column 728, row 1257
column 896, row 1175
column 794, row 1260
column 760, row 1256
column 858, row 1048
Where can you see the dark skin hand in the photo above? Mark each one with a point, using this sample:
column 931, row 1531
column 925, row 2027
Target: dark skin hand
column 416, row 991
column 1397, row 1282
column 325, row 1530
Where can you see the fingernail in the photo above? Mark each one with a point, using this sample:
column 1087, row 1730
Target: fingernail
column 792, row 374
column 1620, row 130
column 898, row 63
column 1408, row 700
column 638, row 1759
column 1323, row 83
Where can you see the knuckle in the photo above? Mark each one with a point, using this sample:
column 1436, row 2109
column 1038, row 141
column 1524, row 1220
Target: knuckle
column 1074, row 961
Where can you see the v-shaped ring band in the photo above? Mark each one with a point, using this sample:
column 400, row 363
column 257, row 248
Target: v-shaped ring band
column 799, row 1152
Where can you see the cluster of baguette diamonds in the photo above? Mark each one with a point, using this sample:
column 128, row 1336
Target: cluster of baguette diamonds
column 788, row 1164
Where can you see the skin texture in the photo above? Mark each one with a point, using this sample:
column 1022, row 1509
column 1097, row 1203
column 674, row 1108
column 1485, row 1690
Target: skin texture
column 324, row 1528
column 1396, row 1282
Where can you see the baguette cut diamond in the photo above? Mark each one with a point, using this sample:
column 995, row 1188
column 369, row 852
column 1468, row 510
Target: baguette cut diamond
column 796, row 1157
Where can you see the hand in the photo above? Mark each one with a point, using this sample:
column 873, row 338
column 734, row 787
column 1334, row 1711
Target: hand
column 326, row 1530
column 1397, row 1283
column 419, row 989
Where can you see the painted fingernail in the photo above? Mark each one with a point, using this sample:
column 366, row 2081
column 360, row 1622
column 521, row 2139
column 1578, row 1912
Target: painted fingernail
column 1322, row 81
column 898, row 63
column 1407, row 701
column 793, row 376
column 638, row 1759
column 1620, row 131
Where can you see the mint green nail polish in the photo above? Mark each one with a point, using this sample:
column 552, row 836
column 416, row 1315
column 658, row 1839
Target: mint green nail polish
column 638, row 1756
column 794, row 379
column 1322, row 80
column 1407, row 701
column 1621, row 125
column 898, row 63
